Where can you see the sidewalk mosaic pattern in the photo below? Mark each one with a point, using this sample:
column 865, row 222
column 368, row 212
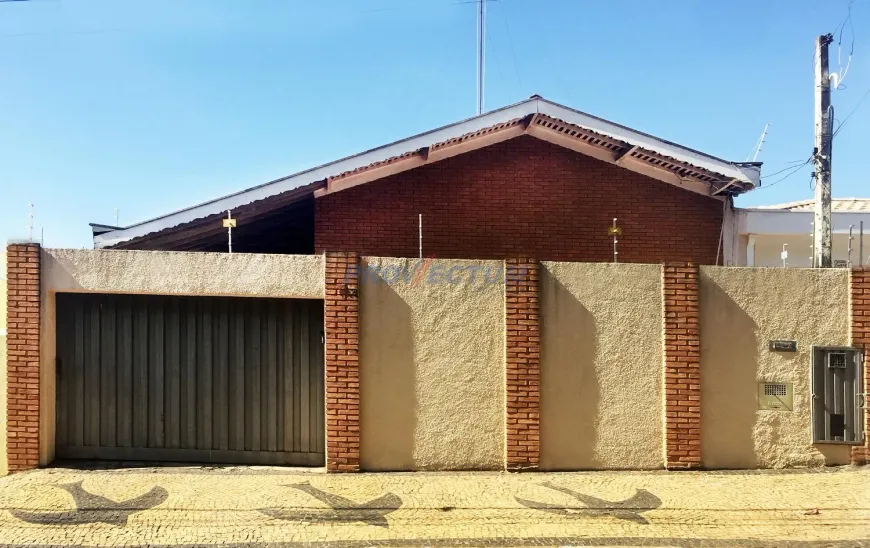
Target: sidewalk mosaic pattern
column 280, row 507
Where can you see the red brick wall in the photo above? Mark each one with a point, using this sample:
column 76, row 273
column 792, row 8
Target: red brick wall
column 682, row 339
column 523, row 362
column 22, row 349
column 521, row 198
column 861, row 339
column 341, row 357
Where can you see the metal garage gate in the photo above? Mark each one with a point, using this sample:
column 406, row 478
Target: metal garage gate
column 193, row 379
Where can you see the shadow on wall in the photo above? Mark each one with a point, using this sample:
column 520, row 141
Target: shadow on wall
column 388, row 418
column 569, row 387
column 729, row 354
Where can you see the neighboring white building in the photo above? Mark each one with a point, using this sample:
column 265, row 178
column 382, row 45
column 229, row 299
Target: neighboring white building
column 761, row 233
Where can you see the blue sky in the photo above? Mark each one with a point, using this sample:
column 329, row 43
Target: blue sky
column 153, row 106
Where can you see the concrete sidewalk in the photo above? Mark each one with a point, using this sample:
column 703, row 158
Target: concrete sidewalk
column 274, row 506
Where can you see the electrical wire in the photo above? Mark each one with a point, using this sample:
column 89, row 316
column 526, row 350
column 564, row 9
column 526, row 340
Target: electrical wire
column 792, row 172
column 846, row 119
column 775, row 173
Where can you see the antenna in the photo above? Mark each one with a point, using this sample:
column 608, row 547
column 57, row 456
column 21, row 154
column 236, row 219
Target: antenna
column 849, row 261
column 759, row 144
column 229, row 223
column 30, row 224
column 615, row 231
column 481, row 53
column 116, row 217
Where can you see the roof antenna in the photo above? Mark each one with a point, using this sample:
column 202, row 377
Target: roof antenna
column 481, row 53
column 229, row 223
column 759, row 144
column 30, row 224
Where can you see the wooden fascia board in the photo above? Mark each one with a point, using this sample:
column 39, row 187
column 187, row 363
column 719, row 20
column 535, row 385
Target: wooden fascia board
column 623, row 160
column 626, row 155
column 667, row 176
column 571, row 143
column 474, row 143
column 372, row 174
column 429, row 157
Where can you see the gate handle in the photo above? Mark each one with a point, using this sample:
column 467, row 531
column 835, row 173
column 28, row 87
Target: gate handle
column 862, row 397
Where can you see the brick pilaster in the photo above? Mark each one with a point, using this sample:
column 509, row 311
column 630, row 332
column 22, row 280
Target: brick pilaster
column 22, row 356
column 860, row 312
column 523, row 357
column 682, row 357
column 341, row 316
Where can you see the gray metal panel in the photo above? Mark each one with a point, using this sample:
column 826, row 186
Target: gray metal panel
column 77, row 380
column 125, row 372
column 195, row 379
column 172, row 355
column 108, row 367
column 237, row 385
column 188, row 374
column 220, row 401
column 192, row 455
column 835, row 392
column 92, row 374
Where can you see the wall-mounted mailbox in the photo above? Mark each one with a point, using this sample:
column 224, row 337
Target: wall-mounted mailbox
column 838, row 397
column 775, row 396
column 782, row 346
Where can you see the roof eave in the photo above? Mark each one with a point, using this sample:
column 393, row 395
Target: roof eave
column 736, row 178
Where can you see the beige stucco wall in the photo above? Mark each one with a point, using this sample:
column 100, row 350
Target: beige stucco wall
column 601, row 366
column 431, row 366
column 159, row 273
column 742, row 309
column 174, row 273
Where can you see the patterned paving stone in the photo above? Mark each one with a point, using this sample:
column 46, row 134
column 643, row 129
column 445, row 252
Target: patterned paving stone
column 238, row 506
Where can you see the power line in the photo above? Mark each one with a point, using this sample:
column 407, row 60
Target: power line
column 792, row 172
column 854, row 110
column 775, row 173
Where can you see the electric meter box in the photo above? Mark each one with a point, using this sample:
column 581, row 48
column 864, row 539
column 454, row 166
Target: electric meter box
column 775, row 396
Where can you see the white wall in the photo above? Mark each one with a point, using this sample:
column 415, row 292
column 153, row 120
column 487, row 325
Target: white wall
column 769, row 246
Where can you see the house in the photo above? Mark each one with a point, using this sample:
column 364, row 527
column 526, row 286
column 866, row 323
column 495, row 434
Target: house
column 532, row 179
column 518, row 343
column 764, row 232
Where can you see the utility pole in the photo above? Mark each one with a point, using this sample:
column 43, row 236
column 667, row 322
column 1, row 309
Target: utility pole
column 481, row 53
column 822, row 242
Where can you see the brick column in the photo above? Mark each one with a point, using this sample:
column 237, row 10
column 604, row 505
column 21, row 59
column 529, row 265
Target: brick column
column 523, row 357
column 22, row 351
column 682, row 342
column 341, row 316
column 860, row 305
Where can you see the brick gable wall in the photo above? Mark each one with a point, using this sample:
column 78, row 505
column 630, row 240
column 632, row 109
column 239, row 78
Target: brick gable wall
column 521, row 198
